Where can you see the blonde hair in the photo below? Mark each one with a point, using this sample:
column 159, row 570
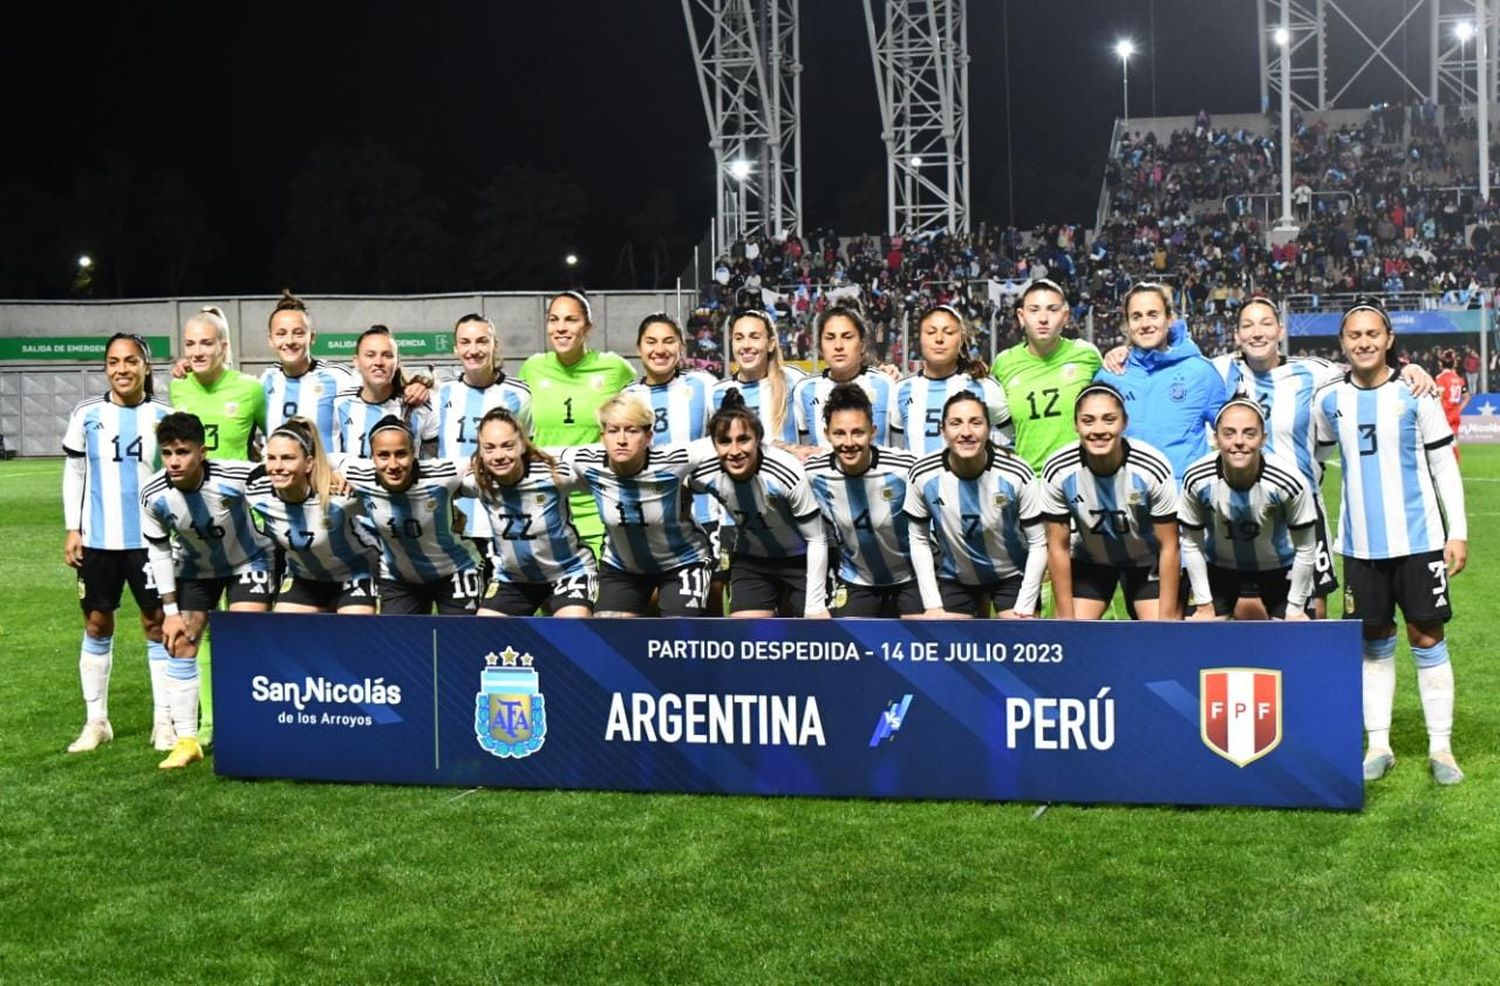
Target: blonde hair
column 626, row 409
column 302, row 431
column 214, row 315
column 775, row 375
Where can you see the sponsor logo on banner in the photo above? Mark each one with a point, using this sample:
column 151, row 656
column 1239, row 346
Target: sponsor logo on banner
column 1239, row 712
column 891, row 718
column 510, row 718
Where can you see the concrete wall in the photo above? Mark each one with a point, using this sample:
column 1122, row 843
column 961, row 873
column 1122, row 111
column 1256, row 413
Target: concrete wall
column 36, row 397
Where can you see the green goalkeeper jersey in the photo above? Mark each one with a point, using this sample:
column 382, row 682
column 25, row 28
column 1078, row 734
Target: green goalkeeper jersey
column 565, row 402
column 232, row 411
column 1041, row 391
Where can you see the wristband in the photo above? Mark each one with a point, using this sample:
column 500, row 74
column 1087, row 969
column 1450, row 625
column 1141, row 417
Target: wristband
column 169, row 609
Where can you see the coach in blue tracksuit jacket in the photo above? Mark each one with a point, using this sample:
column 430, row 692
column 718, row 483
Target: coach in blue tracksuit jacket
column 1171, row 392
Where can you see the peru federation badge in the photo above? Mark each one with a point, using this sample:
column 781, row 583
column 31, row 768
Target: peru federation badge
column 510, row 718
column 1240, row 712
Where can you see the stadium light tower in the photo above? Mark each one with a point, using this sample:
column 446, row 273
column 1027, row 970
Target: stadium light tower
column 1286, row 226
column 749, row 75
column 1125, row 48
column 919, row 49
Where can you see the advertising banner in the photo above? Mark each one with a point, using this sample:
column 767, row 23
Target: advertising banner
column 340, row 345
column 70, row 348
column 1175, row 713
column 1480, row 421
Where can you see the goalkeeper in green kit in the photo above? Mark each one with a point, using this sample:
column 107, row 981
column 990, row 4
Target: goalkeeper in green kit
column 568, row 386
column 232, row 407
column 1044, row 375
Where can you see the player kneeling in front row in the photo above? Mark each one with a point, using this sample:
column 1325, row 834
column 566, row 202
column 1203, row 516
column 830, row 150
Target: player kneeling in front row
column 1111, row 509
column 424, row 562
column 861, row 487
column 1254, row 517
column 779, row 565
column 328, row 555
column 1398, row 464
column 218, row 550
column 981, row 505
column 540, row 561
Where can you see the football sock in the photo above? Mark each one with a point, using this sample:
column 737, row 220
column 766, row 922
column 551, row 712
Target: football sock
column 205, row 679
column 1435, row 685
column 1380, row 690
column 94, row 661
column 182, row 689
column 156, row 660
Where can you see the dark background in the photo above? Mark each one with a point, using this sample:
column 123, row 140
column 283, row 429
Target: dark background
column 336, row 147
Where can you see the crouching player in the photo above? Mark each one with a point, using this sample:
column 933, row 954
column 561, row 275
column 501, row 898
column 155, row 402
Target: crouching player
column 861, row 487
column 1398, row 466
column 217, row 551
column 1255, row 519
column 328, row 555
column 540, row 561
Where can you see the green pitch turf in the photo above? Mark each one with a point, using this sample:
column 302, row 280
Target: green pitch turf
column 112, row 871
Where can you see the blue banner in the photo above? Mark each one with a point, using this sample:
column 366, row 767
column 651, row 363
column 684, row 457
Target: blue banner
column 1404, row 323
column 1039, row 710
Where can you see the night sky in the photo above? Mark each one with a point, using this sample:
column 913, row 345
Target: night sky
column 603, row 93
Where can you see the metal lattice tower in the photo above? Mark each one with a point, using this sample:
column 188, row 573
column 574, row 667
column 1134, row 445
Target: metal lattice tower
column 1454, row 57
column 921, row 59
column 749, row 75
column 1376, row 35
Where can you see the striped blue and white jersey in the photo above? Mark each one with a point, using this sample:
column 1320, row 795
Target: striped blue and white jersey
column 774, row 510
column 647, row 530
column 353, row 417
column 117, row 447
column 312, row 395
column 215, row 530
column 1285, row 395
column 534, row 539
column 323, row 545
column 1247, row 530
column 865, row 514
column 1112, row 516
column 811, row 394
column 757, row 395
column 460, row 408
column 1389, row 507
column 415, row 526
column 680, row 409
column 917, row 410
column 976, row 523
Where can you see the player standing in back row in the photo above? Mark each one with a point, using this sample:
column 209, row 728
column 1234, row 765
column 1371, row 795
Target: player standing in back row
column 1398, row 468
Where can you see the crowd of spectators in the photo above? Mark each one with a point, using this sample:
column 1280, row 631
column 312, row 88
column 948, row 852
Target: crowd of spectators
column 1387, row 205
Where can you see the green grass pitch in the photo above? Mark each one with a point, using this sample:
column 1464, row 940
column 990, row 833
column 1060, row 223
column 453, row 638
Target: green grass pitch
column 111, row 871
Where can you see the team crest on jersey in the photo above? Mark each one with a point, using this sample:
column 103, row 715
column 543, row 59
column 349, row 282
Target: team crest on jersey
column 1178, row 391
column 1133, row 498
column 886, row 493
column 541, row 499
column 1069, row 371
column 231, row 408
column 1001, row 499
column 510, row 718
column 1239, row 712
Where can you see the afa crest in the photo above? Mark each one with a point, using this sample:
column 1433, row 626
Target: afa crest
column 510, row 718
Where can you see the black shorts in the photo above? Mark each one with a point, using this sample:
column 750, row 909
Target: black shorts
column 525, row 598
column 103, row 576
column 202, row 595
column 484, row 550
column 1325, row 582
column 760, row 583
column 969, row 600
column 1417, row 583
column 1230, row 585
column 718, row 533
column 872, row 601
column 453, row 595
column 1093, row 581
column 682, row 591
column 328, row 596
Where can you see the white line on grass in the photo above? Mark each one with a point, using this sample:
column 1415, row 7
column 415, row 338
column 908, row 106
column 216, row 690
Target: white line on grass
column 463, row 794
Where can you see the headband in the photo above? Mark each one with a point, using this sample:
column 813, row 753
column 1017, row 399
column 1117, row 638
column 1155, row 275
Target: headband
column 1102, row 389
column 295, row 436
column 388, row 423
column 1260, row 412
